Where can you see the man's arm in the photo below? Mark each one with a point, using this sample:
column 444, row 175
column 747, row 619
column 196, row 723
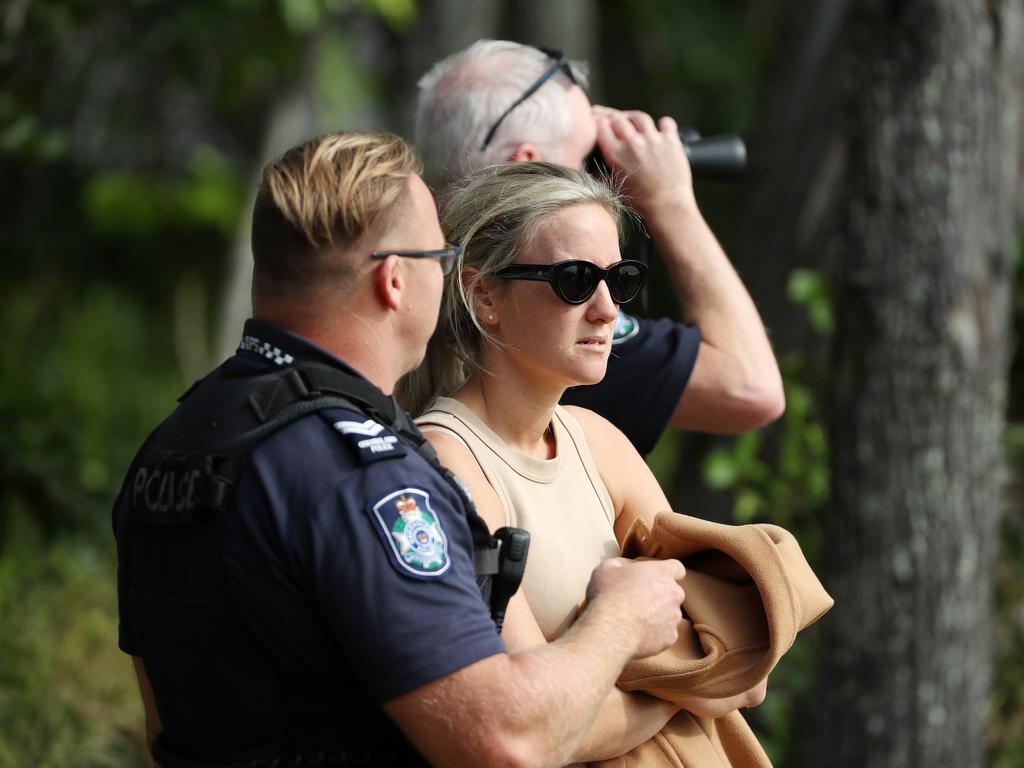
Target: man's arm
column 153, row 725
column 735, row 385
column 532, row 708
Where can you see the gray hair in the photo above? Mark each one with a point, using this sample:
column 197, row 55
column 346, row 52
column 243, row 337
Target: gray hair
column 494, row 217
column 462, row 96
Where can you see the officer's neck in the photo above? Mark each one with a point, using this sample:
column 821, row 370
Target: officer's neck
column 346, row 334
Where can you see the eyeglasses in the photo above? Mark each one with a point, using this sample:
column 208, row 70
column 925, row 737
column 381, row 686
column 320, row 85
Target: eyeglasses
column 575, row 281
column 448, row 255
column 561, row 63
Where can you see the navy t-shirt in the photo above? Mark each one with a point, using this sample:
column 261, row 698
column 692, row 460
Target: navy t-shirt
column 649, row 367
column 349, row 556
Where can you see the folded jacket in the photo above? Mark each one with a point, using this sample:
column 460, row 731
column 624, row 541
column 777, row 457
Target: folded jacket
column 749, row 590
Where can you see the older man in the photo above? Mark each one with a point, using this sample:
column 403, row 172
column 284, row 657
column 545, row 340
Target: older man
column 297, row 574
column 499, row 101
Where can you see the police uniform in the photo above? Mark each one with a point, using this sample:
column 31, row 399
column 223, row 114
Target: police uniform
column 339, row 577
column 649, row 367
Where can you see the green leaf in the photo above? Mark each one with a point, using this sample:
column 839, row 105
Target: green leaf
column 301, row 16
column 748, row 505
column 720, row 469
column 399, row 14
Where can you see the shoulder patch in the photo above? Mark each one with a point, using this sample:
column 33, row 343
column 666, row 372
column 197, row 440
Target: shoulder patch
column 626, row 327
column 412, row 533
column 372, row 440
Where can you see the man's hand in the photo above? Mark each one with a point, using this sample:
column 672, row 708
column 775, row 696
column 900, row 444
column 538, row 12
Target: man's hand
column 643, row 598
column 649, row 158
column 735, row 384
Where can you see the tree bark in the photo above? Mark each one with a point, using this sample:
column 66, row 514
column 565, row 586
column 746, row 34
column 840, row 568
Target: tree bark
column 918, row 381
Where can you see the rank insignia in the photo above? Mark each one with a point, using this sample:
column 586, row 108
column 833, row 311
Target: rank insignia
column 371, row 440
column 413, row 532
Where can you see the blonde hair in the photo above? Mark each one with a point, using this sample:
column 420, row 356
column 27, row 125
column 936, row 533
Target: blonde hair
column 493, row 218
column 318, row 199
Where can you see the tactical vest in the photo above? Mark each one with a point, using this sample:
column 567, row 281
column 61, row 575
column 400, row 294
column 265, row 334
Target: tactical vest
column 181, row 486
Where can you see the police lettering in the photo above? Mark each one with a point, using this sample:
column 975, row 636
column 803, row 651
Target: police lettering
column 160, row 491
column 379, row 444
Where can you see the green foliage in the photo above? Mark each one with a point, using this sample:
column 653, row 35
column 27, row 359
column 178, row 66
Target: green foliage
column 342, row 85
column 663, row 458
column 791, row 489
column 304, row 16
column 67, row 694
column 138, row 205
column 809, row 289
column 1005, row 732
column 1005, row 721
column 80, row 385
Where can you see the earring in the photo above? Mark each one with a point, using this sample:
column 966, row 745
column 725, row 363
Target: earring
column 490, row 318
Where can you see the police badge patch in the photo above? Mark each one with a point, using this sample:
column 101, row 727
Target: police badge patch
column 412, row 532
column 626, row 327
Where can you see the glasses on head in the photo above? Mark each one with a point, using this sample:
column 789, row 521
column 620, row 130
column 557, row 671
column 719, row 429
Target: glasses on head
column 561, row 63
column 448, row 255
column 575, row 281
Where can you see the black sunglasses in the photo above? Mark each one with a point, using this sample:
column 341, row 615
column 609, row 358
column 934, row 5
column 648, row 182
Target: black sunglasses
column 448, row 255
column 575, row 281
column 561, row 63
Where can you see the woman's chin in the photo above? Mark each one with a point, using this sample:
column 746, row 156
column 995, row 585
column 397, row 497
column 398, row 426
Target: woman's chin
column 593, row 375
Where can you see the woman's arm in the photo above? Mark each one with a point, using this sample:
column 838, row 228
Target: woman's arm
column 635, row 492
column 632, row 486
column 625, row 719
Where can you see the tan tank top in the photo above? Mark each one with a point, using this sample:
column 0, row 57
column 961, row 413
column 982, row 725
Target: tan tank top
column 562, row 502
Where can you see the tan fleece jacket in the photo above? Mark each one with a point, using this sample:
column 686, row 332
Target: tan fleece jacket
column 749, row 590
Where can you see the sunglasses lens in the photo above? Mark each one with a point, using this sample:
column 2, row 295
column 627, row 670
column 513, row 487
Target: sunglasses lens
column 625, row 280
column 575, row 281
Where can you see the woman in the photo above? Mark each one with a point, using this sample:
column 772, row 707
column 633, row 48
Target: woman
column 530, row 312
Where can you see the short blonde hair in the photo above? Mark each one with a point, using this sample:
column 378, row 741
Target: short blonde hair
column 493, row 218
column 321, row 197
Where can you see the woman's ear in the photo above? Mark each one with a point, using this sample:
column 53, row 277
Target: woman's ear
column 483, row 298
column 485, row 304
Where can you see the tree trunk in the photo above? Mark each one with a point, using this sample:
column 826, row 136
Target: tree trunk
column 918, row 382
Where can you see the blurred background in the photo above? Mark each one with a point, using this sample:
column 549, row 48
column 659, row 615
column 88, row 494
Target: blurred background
column 878, row 229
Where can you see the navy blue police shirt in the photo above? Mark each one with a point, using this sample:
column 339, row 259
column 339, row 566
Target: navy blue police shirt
column 649, row 367
column 350, row 559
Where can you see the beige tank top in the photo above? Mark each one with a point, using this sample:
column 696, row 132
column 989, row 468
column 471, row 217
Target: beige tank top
column 562, row 502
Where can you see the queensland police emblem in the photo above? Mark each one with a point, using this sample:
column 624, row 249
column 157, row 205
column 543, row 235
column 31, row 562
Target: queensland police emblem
column 413, row 532
column 626, row 327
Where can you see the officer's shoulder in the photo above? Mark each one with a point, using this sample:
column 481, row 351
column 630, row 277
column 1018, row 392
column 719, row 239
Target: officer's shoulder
column 327, row 440
column 368, row 439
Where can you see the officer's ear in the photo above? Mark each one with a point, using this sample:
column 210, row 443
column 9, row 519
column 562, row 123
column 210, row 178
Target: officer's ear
column 524, row 152
column 389, row 282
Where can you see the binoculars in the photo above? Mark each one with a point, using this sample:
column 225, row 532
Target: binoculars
column 712, row 158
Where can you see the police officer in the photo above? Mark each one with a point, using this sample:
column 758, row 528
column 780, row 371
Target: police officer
column 306, row 595
column 499, row 101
